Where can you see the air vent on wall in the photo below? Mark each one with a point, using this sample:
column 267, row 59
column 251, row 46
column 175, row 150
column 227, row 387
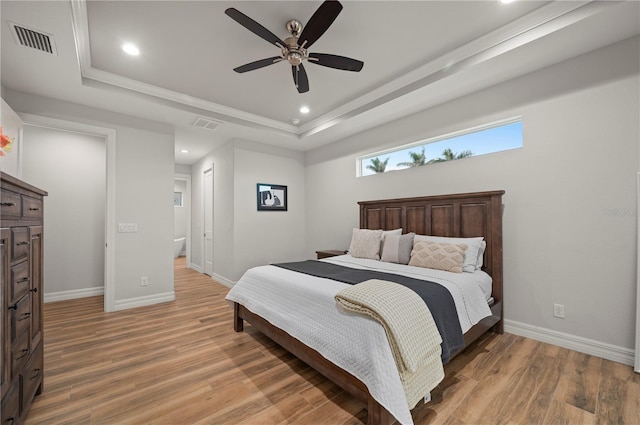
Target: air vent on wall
column 207, row 123
column 34, row 39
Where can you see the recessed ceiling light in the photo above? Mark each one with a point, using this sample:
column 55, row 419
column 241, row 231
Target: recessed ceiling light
column 131, row 49
column 304, row 110
column 506, row 1
column 184, row 151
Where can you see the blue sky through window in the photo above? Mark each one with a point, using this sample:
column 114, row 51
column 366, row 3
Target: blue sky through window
column 488, row 140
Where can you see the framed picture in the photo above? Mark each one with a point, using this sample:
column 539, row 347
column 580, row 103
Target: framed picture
column 271, row 197
column 177, row 199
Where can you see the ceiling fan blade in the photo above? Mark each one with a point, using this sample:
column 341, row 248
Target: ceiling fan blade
column 258, row 64
column 300, row 78
column 335, row 61
column 319, row 22
column 254, row 27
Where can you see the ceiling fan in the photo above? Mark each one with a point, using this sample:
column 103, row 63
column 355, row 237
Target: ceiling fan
column 294, row 48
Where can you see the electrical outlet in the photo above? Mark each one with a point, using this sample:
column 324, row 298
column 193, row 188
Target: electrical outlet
column 558, row 311
column 144, row 281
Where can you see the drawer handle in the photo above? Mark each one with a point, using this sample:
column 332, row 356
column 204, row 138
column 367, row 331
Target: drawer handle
column 8, row 204
column 23, row 243
column 24, row 317
column 23, row 280
column 24, row 353
column 13, row 307
column 11, row 420
column 34, row 209
column 33, row 290
column 35, row 374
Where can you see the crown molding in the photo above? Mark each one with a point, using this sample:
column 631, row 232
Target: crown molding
column 541, row 22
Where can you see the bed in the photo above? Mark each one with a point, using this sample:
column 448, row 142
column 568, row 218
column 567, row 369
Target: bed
column 457, row 215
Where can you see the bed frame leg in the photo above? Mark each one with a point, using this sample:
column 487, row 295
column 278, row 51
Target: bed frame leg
column 378, row 415
column 498, row 328
column 238, row 323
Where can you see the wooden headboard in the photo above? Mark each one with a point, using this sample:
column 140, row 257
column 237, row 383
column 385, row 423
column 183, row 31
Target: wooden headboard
column 462, row 215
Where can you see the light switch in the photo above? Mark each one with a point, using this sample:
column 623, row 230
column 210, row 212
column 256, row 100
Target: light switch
column 127, row 227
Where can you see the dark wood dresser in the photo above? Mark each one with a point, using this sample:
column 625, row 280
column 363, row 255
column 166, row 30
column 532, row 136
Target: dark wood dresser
column 21, row 257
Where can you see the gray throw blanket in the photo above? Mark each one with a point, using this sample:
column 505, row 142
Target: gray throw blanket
column 438, row 299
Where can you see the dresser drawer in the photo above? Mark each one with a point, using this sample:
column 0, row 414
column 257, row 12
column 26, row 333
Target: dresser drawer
column 19, row 353
column 9, row 204
column 32, row 377
column 19, row 243
column 19, row 281
column 20, row 316
column 11, row 405
column 31, row 208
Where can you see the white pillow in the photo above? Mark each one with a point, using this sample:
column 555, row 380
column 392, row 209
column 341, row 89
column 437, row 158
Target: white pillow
column 470, row 254
column 483, row 246
column 391, row 232
column 385, row 233
column 365, row 244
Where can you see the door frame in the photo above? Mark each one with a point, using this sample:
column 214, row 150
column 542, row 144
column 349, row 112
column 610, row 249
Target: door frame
column 187, row 206
column 109, row 135
column 202, row 233
column 636, row 366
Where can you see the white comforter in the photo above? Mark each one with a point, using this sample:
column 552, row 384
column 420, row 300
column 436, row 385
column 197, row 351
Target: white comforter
column 305, row 308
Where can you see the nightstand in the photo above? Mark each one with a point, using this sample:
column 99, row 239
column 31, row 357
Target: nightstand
column 326, row 253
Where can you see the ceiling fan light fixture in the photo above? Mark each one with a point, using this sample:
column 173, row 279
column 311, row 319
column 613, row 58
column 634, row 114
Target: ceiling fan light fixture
column 295, row 48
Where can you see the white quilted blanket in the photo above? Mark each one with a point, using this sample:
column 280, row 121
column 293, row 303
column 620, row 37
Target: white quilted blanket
column 411, row 330
column 305, row 308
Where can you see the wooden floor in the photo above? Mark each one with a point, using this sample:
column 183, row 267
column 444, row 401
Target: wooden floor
column 181, row 363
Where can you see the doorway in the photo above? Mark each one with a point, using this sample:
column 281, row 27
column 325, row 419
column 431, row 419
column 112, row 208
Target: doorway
column 182, row 217
column 107, row 251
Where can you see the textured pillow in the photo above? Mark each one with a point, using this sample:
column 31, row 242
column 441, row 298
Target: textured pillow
column 470, row 255
column 436, row 255
column 365, row 244
column 397, row 248
column 388, row 232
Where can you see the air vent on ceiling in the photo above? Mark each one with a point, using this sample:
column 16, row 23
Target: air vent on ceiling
column 34, row 39
column 207, row 123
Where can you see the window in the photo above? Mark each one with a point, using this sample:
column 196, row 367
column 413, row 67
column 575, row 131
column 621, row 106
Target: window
column 490, row 138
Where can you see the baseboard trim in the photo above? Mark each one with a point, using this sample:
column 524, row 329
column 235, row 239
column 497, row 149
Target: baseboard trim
column 226, row 282
column 584, row 345
column 73, row 294
column 144, row 301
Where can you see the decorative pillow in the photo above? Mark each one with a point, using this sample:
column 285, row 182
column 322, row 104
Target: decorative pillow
column 365, row 244
column 388, row 232
column 437, row 255
column 397, row 248
column 470, row 255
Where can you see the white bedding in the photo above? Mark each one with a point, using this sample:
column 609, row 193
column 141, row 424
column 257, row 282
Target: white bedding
column 305, row 308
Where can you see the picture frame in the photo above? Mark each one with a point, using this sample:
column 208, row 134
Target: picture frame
column 271, row 197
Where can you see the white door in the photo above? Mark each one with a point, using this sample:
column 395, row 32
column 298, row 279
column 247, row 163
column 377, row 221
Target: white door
column 208, row 222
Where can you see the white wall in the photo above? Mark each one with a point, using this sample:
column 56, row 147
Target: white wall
column 143, row 194
column 223, row 240
column 244, row 237
column 263, row 237
column 72, row 168
column 562, row 243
